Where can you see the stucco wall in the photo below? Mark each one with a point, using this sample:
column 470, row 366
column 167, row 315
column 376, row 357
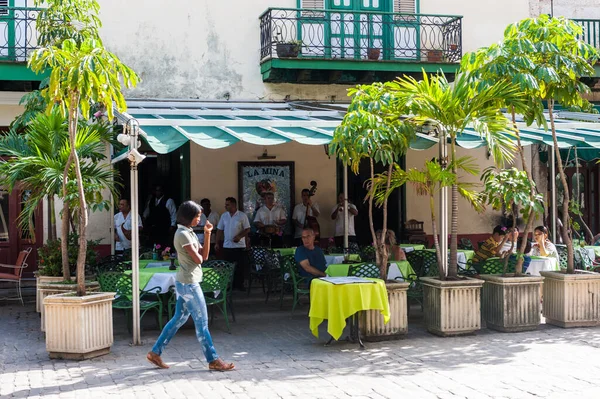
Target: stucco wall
column 205, row 49
column 9, row 106
column 215, row 174
column 585, row 9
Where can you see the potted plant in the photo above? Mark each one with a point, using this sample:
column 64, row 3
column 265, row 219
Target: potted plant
column 449, row 109
column 371, row 130
column 551, row 60
column 502, row 295
column 435, row 55
column 78, row 325
column 289, row 49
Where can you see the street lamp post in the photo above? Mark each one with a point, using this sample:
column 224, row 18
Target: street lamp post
column 130, row 138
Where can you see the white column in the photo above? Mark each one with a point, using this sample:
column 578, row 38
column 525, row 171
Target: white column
column 135, row 248
column 553, row 185
column 443, row 219
column 346, row 221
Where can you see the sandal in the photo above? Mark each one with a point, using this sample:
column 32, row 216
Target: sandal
column 220, row 365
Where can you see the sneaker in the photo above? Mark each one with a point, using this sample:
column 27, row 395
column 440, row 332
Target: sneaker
column 156, row 360
column 220, row 365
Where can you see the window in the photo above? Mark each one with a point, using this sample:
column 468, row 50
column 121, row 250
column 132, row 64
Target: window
column 3, row 7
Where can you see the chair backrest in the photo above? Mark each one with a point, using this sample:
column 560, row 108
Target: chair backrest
column 562, row 255
column 290, row 267
column 582, row 259
column 212, row 263
column 496, row 266
column 353, row 248
column 263, row 258
column 367, row 253
column 413, row 225
column 124, row 287
column 415, row 258
column 216, row 279
column 22, row 262
column 364, row 270
column 334, row 250
column 429, row 262
column 465, row 243
column 109, row 280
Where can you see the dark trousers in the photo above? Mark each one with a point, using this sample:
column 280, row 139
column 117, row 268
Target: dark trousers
column 339, row 240
column 239, row 256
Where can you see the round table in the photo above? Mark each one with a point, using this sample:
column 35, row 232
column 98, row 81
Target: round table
column 541, row 263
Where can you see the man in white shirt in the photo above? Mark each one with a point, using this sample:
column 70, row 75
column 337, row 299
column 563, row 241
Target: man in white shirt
column 232, row 231
column 270, row 220
column 213, row 217
column 300, row 213
column 160, row 218
column 337, row 214
column 122, row 223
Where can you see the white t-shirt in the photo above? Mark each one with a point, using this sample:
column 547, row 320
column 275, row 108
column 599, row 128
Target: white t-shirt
column 268, row 216
column 123, row 242
column 339, row 221
column 213, row 218
column 300, row 214
column 232, row 226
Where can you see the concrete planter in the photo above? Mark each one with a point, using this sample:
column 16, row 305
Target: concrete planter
column 372, row 327
column 47, row 289
column 452, row 307
column 79, row 327
column 571, row 300
column 511, row 304
column 40, row 281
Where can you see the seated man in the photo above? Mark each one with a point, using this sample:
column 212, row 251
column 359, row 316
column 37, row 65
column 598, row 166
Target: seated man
column 310, row 258
column 492, row 246
column 511, row 247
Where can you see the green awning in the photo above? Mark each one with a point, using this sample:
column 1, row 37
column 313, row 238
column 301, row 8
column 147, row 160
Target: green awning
column 167, row 125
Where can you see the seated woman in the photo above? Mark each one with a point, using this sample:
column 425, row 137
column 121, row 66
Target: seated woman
column 542, row 245
column 393, row 249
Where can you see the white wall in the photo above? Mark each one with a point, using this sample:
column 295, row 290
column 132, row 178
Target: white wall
column 584, row 9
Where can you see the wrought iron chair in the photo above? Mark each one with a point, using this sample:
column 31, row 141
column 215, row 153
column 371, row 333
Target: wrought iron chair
column 364, row 270
column 466, row 244
column 220, row 265
column 264, row 266
column 353, row 248
column 291, row 279
column 429, row 262
column 367, row 253
column 334, row 250
column 16, row 274
column 415, row 258
column 582, row 259
column 122, row 285
column 562, row 255
column 214, row 284
column 496, row 266
column 415, row 290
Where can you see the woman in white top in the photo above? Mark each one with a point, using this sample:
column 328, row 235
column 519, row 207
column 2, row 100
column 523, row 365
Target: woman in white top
column 542, row 245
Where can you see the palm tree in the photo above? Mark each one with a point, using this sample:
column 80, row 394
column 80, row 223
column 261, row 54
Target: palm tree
column 36, row 161
column 428, row 182
column 452, row 108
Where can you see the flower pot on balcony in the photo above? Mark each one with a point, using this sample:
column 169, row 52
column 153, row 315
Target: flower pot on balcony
column 53, row 288
column 372, row 327
column 287, row 50
column 373, row 53
column 434, row 55
column 79, row 327
column 452, row 307
column 571, row 300
column 511, row 304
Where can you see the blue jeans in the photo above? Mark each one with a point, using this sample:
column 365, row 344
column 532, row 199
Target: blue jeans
column 190, row 301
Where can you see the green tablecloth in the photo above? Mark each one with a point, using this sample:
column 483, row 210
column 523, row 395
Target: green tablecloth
column 337, row 302
column 341, row 270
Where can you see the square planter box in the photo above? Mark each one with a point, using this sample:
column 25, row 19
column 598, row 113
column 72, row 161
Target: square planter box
column 511, row 304
column 372, row 327
column 79, row 327
column 40, row 282
column 571, row 300
column 452, row 307
column 47, row 289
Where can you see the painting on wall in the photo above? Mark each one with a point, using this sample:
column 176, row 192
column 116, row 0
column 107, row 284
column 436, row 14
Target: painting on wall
column 257, row 178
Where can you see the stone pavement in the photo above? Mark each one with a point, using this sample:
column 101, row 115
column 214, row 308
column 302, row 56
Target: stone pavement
column 276, row 356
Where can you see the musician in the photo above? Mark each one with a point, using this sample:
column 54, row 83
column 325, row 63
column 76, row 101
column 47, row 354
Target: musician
column 337, row 214
column 270, row 220
column 306, row 208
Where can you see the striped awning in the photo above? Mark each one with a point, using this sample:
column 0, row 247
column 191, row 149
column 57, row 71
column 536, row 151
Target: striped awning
column 169, row 124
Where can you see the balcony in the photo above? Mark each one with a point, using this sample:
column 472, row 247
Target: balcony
column 18, row 38
column 334, row 46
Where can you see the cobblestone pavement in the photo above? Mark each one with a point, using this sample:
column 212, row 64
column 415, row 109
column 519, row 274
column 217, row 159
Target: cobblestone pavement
column 277, row 357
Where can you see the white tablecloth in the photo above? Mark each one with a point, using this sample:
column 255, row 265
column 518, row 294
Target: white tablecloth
column 591, row 253
column 395, row 273
column 545, row 264
column 164, row 281
column 334, row 259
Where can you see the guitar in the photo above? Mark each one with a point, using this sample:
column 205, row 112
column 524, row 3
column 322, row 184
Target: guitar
column 311, row 221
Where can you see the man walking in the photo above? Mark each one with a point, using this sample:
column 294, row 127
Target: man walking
column 233, row 229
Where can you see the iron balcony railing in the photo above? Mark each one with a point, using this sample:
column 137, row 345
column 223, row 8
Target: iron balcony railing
column 591, row 31
column 18, row 34
column 360, row 35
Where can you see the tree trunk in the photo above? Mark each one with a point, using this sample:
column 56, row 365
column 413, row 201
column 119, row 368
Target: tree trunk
column 51, row 218
column 383, row 247
column 512, row 244
column 452, row 265
column 529, row 224
column 83, row 217
column 566, row 198
column 64, row 233
column 436, row 241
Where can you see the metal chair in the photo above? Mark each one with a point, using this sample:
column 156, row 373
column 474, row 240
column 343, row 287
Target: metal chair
column 214, row 284
column 466, row 244
column 364, row 270
column 15, row 276
column 291, row 279
column 496, row 266
column 562, row 255
column 264, row 266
